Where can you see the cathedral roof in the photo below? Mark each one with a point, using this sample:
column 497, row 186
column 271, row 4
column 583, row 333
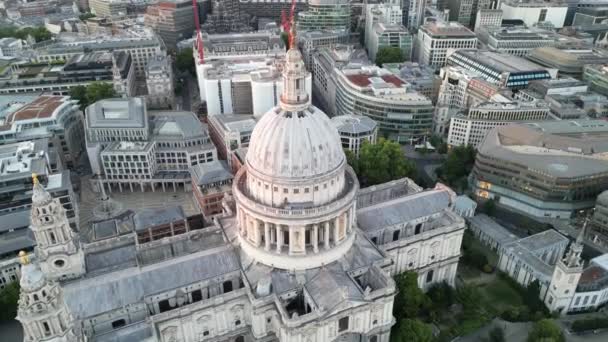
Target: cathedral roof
column 132, row 285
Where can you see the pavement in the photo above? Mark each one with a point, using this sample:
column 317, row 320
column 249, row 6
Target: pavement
column 514, row 332
column 426, row 163
column 11, row 331
column 136, row 200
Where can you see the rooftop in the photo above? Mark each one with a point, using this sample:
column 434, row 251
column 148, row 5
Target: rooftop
column 499, row 62
column 211, row 173
column 153, row 217
column 177, row 125
column 354, row 124
column 441, row 29
column 117, row 113
column 486, row 224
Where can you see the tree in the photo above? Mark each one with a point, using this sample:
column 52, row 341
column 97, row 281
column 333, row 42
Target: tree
column 489, row 207
column 9, row 296
column 410, row 301
column 389, row 54
column 92, row 93
column 184, row 61
column 39, row 33
column 532, row 297
column 546, row 330
column 457, row 166
column 413, row 330
column 86, row 16
column 381, row 162
column 497, row 334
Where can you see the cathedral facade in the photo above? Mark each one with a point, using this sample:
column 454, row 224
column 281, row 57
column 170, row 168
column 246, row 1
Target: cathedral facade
column 292, row 258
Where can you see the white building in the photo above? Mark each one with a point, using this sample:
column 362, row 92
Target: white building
column 132, row 148
column 434, row 39
column 415, row 13
column 471, row 127
column 516, row 41
column 533, row 12
column 10, row 47
column 488, row 18
column 386, row 13
column 289, row 260
column 244, row 86
column 354, row 130
column 159, row 81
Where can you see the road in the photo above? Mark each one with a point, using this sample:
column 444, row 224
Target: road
column 426, row 163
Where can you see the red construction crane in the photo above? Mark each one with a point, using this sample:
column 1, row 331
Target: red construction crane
column 199, row 39
column 288, row 25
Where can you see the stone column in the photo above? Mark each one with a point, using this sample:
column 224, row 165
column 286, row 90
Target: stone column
column 279, row 230
column 257, row 226
column 327, row 235
column 336, row 230
column 315, row 238
column 267, row 236
column 291, row 239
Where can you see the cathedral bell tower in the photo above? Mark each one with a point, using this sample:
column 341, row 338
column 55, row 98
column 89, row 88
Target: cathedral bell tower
column 57, row 248
column 42, row 310
column 565, row 276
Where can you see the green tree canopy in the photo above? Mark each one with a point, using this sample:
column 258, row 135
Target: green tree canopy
column 39, row 33
column 410, row 301
column 546, row 330
column 457, row 166
column 412, row 330
column 380, row 163
column 86, row 16
column 9, row 296
column 389, row 54
column 184, row 61
column 92, row 93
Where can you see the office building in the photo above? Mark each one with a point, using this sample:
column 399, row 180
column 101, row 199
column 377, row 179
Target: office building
column 421, row 77
column 516, row 41
column 501, row 69
column 159, row 82
column 597, row 78
column 131, row 148
column 243, row 86
column 140, row 45
column 325, row 15
column 461, row 11
column 310, row 41
column 387, row 13
column 182, row 278
column 10, row 47
column 434, row 39
column 413, row 13
column 544, row 170
column 108, row 8
column 242, row 45
column 355, row 130
column 401, row 112
column 590, row 16
column 230, row 133
column 172, row 20
column 569, row 61
column 488, row 18
column 386, row 35
column 271, row 8
column 533, row 12
column 470, row 127
column 56, row 118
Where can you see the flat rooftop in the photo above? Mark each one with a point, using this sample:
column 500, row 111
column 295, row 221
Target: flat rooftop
column 442, row 29
column 117, row 113
column 42, row 107
column 501, row 62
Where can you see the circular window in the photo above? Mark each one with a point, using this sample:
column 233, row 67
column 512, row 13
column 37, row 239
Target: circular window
column 59, row 263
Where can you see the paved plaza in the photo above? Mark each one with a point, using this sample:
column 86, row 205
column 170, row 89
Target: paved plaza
column 136, row 200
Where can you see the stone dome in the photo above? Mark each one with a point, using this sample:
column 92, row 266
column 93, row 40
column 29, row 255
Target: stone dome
column 288, row 145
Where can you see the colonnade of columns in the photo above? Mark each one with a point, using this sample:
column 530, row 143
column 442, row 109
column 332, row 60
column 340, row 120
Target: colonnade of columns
column 296, row 239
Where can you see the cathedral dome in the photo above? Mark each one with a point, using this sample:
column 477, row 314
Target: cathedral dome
column 300, row 144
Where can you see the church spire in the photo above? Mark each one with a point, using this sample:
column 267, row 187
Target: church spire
column 573, row 257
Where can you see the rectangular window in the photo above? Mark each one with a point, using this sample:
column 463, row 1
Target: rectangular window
column 543, row 15
column 429, row 276
column 395, row 235
column 418, row 229
column 343, row 324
